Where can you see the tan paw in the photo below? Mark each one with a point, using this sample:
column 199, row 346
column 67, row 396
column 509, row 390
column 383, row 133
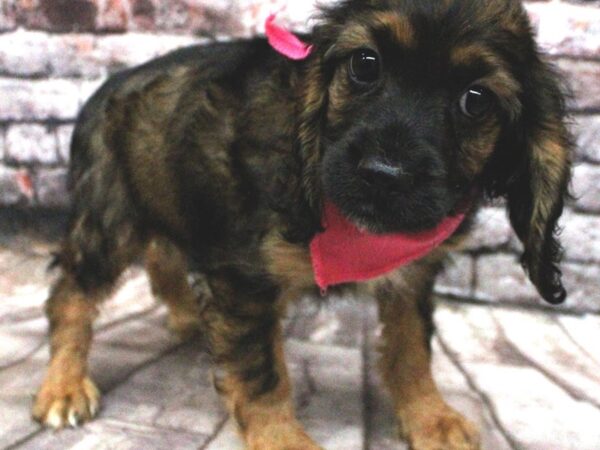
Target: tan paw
column 446, row 430
column 66, row 405
column 283, row 437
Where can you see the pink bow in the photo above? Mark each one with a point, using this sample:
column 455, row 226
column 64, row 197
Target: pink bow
column 285, row 42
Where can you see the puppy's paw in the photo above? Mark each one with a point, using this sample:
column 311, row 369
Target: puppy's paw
column 442, row 430
column 59, row 405
column 282, row 437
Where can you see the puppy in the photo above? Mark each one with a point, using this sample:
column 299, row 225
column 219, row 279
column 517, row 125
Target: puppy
column 219, row 160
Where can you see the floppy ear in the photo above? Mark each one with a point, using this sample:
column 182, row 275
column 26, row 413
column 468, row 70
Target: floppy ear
column 314, row 103
column 537, row 188
column 310, row 128
column 300, row 185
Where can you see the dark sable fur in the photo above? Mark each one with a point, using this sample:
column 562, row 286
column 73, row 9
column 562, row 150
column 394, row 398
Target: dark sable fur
column 229, row 151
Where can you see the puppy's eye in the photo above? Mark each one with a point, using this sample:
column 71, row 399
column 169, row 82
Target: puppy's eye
column 476, row 102
column 365, row 66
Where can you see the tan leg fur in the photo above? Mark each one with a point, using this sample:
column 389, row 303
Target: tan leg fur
column 424, row 418
column 68, row 396
column 268, row 422
column 167, row 269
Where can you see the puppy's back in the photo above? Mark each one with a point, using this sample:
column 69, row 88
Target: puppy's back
column 125, row 134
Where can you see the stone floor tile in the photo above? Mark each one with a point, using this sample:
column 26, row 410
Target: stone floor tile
column 118, row 350
column 21, row 339
column 537, row 413
column 462, row 397
column 518, row 383
column 516, row 373
column 336, row 321
column 583, row 332
column 328, row 390
column 457, row 277
column 112, row 362
column 15, row 419
column 473, row 329
column 175, row 392
column 33, row 270
column 226, row 439
column 132, row 296
column 540, row 340
column 23, row 284
column 114, row 435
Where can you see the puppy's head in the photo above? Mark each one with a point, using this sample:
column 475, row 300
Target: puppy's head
column 409, row 106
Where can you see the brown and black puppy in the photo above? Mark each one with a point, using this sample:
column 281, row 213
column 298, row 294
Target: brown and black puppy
column 218, row 159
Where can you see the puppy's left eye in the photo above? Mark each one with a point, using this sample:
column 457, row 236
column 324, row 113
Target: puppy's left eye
column 365, row 66
column 476, row 102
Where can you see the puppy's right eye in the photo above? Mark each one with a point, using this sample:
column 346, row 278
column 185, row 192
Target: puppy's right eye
column 365, row 66
column 476, row 102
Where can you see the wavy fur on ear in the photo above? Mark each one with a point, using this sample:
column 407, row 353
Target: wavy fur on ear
column 309, row 130
column 534, row 172
column 536, row 203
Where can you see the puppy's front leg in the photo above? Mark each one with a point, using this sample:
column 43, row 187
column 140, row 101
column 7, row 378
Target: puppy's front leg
column 245, row 337
column 425, row 420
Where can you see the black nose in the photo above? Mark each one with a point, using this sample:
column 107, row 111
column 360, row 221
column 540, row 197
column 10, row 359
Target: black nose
column 381, row 174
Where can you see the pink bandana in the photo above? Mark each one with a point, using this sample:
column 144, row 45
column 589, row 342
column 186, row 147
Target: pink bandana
column 342, row 253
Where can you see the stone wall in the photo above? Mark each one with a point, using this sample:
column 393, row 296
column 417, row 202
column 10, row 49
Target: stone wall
column 55, row 53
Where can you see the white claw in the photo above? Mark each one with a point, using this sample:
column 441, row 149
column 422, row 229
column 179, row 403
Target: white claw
column 54, row 419
column 93, row 407
column 73, row 421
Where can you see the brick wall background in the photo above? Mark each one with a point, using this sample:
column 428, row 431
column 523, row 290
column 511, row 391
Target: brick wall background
column 55, row 53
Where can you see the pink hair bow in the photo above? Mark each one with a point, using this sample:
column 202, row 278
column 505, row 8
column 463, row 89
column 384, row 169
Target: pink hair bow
column 285, row 42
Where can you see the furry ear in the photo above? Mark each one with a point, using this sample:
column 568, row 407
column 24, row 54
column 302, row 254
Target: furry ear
column 310, row 129
column 314, row 102
column 537, row 188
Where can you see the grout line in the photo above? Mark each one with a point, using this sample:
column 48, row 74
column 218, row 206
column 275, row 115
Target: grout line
column 102, row 329
column 489, row 405
column 574, row 341
column 215, row 433
column 575, row 394
column 105, row 391
column 450, row 299
column 136, row 427
column 25, row 439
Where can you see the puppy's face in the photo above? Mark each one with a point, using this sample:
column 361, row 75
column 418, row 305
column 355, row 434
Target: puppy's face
column 413, row 105
column 417, row 99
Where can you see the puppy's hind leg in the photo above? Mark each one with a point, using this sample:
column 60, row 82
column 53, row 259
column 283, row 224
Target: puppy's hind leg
column 424, row 418
column 102, row 240
column 68, row 396
column 167, row 268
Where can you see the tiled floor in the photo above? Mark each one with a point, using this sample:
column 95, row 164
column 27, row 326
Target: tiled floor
column 531, row 379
